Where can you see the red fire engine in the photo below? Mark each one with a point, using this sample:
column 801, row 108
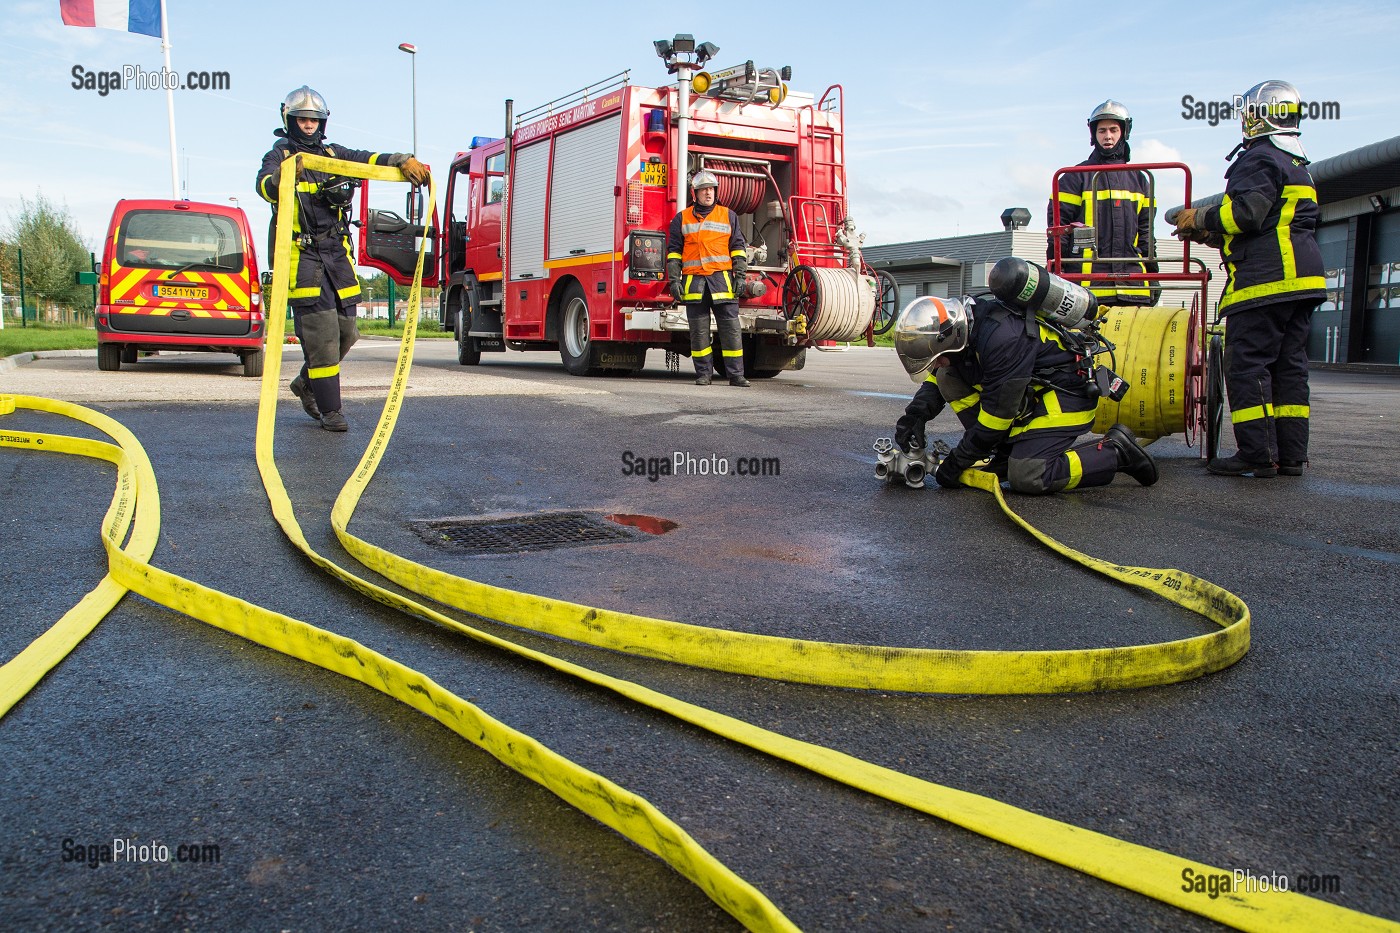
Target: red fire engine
column 555, row 236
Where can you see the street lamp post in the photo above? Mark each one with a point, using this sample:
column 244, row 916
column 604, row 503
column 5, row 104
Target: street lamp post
column 412, row 51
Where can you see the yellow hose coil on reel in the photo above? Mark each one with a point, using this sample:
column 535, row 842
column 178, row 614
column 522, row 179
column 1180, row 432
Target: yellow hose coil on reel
column 1151, row 357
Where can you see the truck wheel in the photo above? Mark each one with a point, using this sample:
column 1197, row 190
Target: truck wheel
column 253, row 362
column 576, row 347
column 109, row 357
column 468, row 350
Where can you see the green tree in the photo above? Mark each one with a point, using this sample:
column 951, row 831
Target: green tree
column 54, row 254
column 375, row 287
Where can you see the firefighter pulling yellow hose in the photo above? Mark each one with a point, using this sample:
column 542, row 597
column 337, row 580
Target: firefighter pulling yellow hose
column 1138, row 868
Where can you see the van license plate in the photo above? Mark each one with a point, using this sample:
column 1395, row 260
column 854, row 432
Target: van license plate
column 182, row 292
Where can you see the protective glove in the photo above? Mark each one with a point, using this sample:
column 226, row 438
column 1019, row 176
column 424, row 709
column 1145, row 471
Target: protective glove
column 675, row 288
column 416, row 172
column 1185, row 221
column 1207, row 237
column 741, row 267
column 951, row 468
column 909, row 430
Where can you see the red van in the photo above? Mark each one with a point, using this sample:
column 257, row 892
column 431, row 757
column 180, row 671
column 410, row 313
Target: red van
column 179, row 275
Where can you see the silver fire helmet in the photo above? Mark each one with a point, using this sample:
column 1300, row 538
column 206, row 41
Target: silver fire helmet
column 1273, row 108
column 927, row 329
column 703, row 179
column 304, row 102
column 1111, row 110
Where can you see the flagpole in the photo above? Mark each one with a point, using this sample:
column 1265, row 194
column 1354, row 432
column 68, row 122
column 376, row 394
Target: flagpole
column 169, row 102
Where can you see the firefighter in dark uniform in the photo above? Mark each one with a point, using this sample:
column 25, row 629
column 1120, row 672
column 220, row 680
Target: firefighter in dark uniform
column 1266, row 229
column 705, row 261
column 1117, row 204
column 324, row 287
column 1022, row 391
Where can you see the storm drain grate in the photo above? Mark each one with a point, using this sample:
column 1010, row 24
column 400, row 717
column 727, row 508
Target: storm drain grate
column 521, row 533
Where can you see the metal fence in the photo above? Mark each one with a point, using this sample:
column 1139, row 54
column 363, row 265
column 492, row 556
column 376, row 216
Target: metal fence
column 42, row 312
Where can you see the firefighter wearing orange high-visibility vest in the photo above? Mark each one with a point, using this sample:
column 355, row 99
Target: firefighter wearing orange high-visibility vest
column 324, row 287
column 705, row 262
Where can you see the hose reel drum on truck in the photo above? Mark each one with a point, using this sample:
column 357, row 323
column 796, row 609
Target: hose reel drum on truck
column 554, row 236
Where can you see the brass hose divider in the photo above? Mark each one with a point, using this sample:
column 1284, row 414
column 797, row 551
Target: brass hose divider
column 1135, row 867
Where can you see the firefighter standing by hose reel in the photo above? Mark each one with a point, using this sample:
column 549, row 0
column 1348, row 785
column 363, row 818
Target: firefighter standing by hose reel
column 324, row 289
column 706, row 260
column 1114, row 205
column 1266, row 227
column 1018, row 368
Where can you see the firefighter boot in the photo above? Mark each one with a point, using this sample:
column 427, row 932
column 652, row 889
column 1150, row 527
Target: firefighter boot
column 1132, row 459
column 1238, row 466
column 732, row 349
column 334, row 421
column 303, row 392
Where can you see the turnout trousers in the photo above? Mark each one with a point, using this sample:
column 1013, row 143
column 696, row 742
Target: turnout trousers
column 1042, row 460
column 1266, row 376
column 726, row 314
column 326, row 335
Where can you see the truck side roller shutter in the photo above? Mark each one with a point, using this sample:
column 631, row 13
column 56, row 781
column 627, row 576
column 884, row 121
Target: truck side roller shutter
column 527, row 212
column 582, row 205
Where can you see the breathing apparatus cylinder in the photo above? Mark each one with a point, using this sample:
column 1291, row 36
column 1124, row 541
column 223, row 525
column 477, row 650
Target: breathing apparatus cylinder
column 1025, row 285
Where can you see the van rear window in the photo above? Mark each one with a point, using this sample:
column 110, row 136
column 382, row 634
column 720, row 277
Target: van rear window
column 184, row 240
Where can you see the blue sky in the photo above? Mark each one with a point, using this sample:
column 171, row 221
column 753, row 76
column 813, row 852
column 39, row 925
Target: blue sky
column 953, row 112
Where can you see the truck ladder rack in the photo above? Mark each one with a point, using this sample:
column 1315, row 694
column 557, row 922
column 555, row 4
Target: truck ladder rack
column 582, row 96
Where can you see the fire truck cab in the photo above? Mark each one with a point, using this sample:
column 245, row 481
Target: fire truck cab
column 555, row 236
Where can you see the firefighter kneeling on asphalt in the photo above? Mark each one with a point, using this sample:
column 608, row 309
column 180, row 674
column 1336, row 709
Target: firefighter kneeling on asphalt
column 705, row 258
column 1022, row 390
column 324, row 287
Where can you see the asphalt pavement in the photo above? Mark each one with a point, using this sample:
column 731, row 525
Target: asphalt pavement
column 332, row 806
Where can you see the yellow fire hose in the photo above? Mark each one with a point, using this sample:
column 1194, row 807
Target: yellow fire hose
column 1156, row 874
column 1151, row 356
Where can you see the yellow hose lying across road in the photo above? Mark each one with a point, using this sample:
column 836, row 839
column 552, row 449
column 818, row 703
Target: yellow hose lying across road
column 1138, row 868
column 136, row 501
column 1135, row 867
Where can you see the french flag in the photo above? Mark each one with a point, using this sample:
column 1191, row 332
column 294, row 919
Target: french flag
column 141, row 16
